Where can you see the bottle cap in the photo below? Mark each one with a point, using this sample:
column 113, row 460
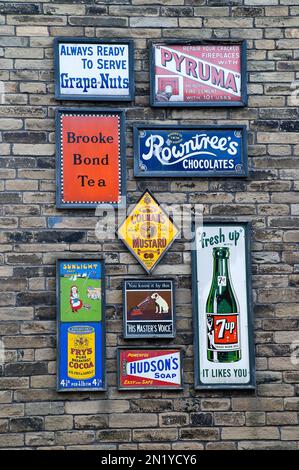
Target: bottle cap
column 221, row 252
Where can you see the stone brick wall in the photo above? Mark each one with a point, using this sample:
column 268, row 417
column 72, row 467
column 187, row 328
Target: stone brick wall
column 33, row 233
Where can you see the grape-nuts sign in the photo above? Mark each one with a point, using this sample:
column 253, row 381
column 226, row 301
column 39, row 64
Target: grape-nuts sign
column 223, row 324
column 190, row 151
column 198, row 73
column 93, row 69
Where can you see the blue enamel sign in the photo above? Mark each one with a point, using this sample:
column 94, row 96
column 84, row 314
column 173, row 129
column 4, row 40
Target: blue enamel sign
column 93, row 69
column 190, row 151
column 80, row 325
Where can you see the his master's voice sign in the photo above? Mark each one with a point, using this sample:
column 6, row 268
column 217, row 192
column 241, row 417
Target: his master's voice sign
column 92, row 69
column 90, row 158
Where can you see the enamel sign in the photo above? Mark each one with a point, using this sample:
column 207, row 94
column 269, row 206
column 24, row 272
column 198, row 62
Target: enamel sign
column 148, row 309
column 80, row 325
column 148, row 231
column 195, row 73
column 93, row 69
column 190, row 151
column 151, row 368
column 90, row 157
column 223, row 324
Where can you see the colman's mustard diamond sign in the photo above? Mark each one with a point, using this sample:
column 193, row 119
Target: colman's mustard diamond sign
column 148, row 231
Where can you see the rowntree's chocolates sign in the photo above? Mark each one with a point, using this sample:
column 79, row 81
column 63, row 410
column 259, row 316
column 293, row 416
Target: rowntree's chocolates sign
column 195, row 73
column 90, row 154
column 150, row 368
column 93, row 69
column 188, row 151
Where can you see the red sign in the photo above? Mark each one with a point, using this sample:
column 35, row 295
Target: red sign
column 149, row 368
column 226, row 329
column 202, row 73
column 89, row 152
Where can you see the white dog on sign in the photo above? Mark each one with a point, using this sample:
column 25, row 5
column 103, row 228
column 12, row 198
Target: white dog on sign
column 161, row 304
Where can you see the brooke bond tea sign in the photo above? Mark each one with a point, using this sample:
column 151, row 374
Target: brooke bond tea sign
column 148, row 310
column 208, row 73
column 188, row 151
column 151, row 368
column 223, row 347
column 148, row 231
column 93, row 69
column 80, row 325
column 90, row 155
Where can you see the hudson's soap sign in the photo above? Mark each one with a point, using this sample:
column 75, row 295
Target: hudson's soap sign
column 149, row 368
column 90, row 157
column 93, row 69
column 190, row 151
column 194, row 73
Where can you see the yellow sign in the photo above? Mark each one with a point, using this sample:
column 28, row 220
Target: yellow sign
column 148, row 231
column 81, row 352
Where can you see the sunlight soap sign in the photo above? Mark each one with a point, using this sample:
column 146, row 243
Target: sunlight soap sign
column 93, row 69
column 80, row 325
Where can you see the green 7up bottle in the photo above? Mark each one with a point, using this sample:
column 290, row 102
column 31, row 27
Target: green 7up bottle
column 222, row 309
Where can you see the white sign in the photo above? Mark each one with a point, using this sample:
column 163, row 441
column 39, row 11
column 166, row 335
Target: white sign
column 166, row 368
column 223, row 345
column 93, row 70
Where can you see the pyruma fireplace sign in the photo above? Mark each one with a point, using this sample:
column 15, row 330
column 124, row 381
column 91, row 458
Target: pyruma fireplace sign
column 223, row 346
column 90, row 157
column 93, row 69
column 190, row 151
column 198, row 73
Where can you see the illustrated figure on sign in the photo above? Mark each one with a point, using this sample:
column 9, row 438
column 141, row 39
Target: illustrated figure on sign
column 81, row 342
column 164, row 95
column 75, row 301
column 94, row 293
column 210, row 333
column 161, row 304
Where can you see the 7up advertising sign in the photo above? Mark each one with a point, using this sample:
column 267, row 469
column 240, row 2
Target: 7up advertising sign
column 222, row 308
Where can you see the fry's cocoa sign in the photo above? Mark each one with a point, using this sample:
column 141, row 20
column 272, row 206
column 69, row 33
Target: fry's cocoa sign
column 149, row 368
column 198, row 73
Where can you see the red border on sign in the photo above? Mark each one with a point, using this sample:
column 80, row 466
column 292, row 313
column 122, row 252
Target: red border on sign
column 87, row 181
column 135, row 382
